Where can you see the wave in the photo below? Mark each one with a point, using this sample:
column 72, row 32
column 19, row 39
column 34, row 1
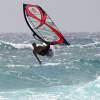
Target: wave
column 8, row 45
column 89, row 45
column 90, row 61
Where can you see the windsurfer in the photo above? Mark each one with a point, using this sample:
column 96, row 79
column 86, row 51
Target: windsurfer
column 43, row 50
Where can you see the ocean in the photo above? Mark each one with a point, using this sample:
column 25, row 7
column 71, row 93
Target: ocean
column 72, row 74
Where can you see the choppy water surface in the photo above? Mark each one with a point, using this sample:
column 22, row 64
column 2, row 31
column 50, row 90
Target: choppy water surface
column 72, row 74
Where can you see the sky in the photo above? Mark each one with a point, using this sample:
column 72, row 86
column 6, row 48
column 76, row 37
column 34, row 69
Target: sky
column 69, row 15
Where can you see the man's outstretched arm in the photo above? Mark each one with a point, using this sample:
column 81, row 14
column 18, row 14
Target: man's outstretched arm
column 40, row 62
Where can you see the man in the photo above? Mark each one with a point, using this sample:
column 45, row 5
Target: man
column 43, row 50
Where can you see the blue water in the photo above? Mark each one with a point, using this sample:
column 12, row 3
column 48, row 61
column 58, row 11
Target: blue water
column 72, row 74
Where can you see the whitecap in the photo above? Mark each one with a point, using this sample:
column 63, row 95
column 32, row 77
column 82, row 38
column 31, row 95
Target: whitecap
column 51, row 64
column 97, row 55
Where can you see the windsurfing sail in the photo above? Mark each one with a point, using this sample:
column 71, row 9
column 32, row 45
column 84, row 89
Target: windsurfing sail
column 42, row 26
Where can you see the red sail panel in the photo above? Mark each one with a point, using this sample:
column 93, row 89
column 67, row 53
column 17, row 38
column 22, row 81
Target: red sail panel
column 42, row 24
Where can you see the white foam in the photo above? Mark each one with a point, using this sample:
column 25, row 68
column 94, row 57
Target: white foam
column 85, row 45
column 1, row 54
column 18, row 46
column 22, row 46
column 97, row 55
column 12, row 66
column 3, row 98
column 51, row 64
